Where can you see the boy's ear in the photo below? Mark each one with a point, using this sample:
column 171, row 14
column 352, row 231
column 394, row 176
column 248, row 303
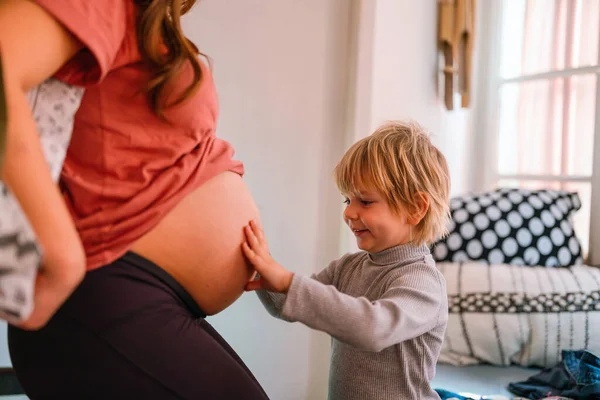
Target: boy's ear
column 420, row 208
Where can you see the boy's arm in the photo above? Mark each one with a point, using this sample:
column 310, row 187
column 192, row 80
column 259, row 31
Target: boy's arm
column 274, row 302
column 409, row 308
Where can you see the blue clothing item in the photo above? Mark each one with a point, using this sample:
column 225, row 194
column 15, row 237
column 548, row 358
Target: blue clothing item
column 577, row 376
column 447, row 395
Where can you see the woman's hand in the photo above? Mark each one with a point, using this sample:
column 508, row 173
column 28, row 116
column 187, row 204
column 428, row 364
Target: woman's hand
column 53, row 285
column 273, row 276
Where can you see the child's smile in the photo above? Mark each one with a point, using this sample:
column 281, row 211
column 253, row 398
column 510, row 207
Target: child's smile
column 374, row 224
column 360, row 232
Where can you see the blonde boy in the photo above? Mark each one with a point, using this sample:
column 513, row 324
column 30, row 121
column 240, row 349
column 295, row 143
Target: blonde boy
column 385, row 306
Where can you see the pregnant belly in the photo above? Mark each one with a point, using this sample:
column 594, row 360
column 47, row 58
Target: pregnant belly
column 199, row 242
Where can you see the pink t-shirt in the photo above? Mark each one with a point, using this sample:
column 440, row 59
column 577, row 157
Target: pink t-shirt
column 126, row 168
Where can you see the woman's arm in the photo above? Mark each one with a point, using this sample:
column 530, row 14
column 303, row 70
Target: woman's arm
column 34, row 46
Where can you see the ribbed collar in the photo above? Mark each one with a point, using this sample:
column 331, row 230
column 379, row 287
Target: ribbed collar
column 400, row 252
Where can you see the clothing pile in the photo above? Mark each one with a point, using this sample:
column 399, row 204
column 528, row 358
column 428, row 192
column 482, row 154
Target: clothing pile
column 575, row 377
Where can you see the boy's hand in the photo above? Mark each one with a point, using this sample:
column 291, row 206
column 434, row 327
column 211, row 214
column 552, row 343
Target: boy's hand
column 273, row 276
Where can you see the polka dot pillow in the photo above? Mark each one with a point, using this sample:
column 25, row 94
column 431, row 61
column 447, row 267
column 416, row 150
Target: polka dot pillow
column 512, row 226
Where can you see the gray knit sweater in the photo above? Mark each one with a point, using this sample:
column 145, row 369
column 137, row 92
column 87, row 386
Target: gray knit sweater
column 386, row 313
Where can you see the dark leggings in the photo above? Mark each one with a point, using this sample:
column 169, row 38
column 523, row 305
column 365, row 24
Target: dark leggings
column 130, row 331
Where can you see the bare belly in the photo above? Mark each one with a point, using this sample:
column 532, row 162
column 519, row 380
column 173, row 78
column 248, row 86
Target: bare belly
column 199, row 242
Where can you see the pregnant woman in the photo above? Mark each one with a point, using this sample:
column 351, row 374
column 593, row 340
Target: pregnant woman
column 143, row 237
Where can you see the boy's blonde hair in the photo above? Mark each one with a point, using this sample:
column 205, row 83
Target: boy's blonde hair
column 398, row 161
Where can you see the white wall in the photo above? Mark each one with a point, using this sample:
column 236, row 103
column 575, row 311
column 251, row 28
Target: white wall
column 396, row 75
column 398, row 79
column 299, row 81
column 280, row 68
column 281, row 72
column 291, row 75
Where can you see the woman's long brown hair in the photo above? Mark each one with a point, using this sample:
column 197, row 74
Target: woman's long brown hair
column 159, row 26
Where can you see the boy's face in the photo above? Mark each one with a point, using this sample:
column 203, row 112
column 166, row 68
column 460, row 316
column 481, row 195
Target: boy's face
column 373, row 222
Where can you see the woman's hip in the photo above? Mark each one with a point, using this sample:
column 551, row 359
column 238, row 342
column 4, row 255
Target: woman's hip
column 129, row 330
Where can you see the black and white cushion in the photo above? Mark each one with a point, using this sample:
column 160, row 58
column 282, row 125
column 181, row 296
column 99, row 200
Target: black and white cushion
column 506, row 314
column 53, row 104
column 513, row 226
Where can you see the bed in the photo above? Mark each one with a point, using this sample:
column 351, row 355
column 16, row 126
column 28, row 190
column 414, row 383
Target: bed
column 480, row 379
column 519, row 293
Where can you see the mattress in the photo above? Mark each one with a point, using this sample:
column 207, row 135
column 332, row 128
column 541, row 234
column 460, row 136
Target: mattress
column 480, row 379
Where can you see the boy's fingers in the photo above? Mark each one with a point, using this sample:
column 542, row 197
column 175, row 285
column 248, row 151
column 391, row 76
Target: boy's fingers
column 258, row 245
column 254, row 257
column 261, row 232
column 251, row 238
column 246, row 233
column 253, row 276
column 250, row 254
column 254, row 285
column 258, row 230
column 254, row 227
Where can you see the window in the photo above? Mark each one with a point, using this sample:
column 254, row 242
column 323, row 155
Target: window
column 540, row 107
